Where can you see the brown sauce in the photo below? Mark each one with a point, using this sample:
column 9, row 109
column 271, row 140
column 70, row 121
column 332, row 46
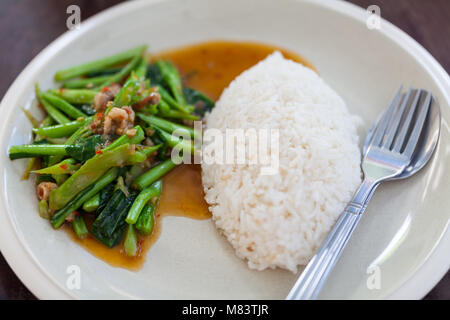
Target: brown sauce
column 182, row 195
column 208, row 67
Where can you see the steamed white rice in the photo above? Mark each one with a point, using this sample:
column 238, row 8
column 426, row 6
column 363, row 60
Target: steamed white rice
column 280, row 220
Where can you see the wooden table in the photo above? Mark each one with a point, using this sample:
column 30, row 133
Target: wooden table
column 27, row 26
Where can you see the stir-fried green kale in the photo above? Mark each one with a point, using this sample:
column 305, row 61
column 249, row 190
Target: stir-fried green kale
column 105, row 144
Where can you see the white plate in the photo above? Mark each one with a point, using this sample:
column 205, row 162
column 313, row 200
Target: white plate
column 405, row 229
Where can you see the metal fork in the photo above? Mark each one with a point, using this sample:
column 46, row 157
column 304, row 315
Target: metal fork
column 389, row 153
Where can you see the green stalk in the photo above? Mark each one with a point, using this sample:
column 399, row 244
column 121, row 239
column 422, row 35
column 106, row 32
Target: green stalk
column 146, row 219
column 165, row 125
column 131, row 242
column 141, row 69
column 64, row 106
column 62, row 130
column 142, row 155
column 153, row 174
column 172, row 141
column 36, row 150
column 79, row 226
column 89, row 172
column 77, row 96
column 43, row 209
column 67, row 166
column 86, row 83
column 106, row 72
column 172, row 102
column 98, row 65
column 171, row 76
column 144, row 196
column 49, row 108
column 136, row 158
column 174, row 114
column 47, row 122
column 59, row 216
column 116, row 78
column 31, row 162
column 92, row 204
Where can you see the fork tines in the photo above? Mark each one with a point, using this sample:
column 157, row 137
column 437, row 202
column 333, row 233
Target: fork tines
column 400, row 128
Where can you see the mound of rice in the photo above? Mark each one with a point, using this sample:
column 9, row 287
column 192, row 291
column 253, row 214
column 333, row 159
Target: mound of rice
column 280, row 220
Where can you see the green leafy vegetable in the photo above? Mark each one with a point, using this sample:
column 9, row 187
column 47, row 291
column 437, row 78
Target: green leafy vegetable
column 154, row 75
column 90, row 172
column 110, row 224
column 86, row 149
column 87, row 109
column 201, row 102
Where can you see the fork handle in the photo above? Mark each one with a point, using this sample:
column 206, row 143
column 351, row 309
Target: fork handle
column 321, row 265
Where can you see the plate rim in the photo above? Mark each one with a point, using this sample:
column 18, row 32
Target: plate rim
column 43, row 286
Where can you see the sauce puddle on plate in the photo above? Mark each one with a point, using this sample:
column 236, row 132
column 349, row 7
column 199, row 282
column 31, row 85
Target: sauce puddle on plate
column 208, row 67
column 182, row 195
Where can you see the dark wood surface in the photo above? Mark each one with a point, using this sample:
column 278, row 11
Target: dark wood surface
column 28, row 26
